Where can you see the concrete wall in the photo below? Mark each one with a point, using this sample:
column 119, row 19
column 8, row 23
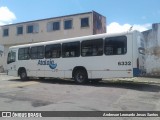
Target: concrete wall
column 152, row 39
column 99, row 23
column 43, row 34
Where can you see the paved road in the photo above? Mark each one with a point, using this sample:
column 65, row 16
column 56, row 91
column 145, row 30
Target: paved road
column 139, row 94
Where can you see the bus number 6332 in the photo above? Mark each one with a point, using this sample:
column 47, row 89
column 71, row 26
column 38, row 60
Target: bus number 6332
column 124, row 63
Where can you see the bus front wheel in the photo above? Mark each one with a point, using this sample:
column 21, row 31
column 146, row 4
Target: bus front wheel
column 80, row 76
column 23, row 75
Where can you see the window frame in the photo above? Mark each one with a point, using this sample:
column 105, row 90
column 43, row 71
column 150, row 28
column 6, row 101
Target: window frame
column 70, row 26
column 113, row 39
column 12, row 58
column 29, row 29
column 34, row 28
column 83, row 22
column 60, row 52
column 19, row 32
column 70, row 54
column 5, row 32
column 25, row 53
column 90, row 52
column 36, row 53
column 54, row 25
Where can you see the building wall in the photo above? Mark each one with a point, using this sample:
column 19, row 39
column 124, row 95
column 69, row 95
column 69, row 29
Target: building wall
column 99, row 23
column 43, row 34
column 152, row 38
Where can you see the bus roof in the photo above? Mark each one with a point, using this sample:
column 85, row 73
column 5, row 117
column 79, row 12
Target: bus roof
column 73, row 39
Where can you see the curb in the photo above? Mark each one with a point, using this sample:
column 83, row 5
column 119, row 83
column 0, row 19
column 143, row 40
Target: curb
column 3, row 73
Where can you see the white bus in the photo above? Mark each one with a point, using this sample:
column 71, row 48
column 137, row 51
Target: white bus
column 82, row 58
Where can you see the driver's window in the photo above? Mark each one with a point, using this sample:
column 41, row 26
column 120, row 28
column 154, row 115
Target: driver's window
column 11, row 57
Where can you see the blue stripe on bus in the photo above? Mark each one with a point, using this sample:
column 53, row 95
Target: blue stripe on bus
column 136, row 72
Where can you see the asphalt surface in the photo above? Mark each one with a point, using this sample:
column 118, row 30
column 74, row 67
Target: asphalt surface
column 135, row 94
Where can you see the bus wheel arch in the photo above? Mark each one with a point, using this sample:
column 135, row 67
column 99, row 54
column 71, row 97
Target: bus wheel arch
column 80, row 75
column 22, row 73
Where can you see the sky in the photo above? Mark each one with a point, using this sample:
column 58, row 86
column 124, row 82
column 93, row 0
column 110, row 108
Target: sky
column 120, row 14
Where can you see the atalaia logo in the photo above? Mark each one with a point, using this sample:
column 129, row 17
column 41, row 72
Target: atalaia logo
column 50, row 63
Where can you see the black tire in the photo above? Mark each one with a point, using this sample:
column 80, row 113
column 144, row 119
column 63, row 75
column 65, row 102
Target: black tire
column 80, row 76
column 23, row 75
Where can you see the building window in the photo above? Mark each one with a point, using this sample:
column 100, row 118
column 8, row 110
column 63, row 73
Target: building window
column 68, row 24
column 56, row 25
column 19, row 30
column 53, row 51
column 92, row 47
column 115, row 45
column 71, row 49
column 53, row 26
column 85, row 22
column 5, row 32
column 33, row 28
column 30, row 29
column 37, row 52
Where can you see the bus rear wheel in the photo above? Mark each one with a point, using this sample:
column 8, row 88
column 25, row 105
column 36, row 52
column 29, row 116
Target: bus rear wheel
column 80, row 77
column 23, row 75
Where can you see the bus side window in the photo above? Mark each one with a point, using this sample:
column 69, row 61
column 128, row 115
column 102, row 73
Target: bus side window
column 115, row 45
column 24, row 53
column 71, row 49
column 53, row 51
column 92, row 47
column 40, row 52
column 37, row 52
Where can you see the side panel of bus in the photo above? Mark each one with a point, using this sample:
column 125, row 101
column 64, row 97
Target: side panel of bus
column 55, row 68
column 105, row 66
column 31, row 68
column 110, row 66
column 35, row 70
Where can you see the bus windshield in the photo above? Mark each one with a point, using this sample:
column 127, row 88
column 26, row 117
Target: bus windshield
column 11, row 57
